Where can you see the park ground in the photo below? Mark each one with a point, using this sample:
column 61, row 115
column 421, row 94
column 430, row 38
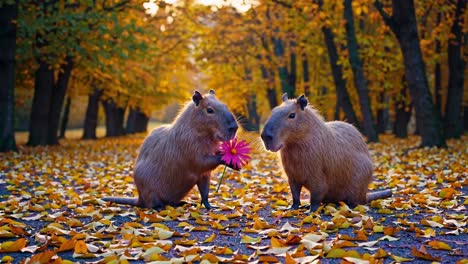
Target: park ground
column 50, row 210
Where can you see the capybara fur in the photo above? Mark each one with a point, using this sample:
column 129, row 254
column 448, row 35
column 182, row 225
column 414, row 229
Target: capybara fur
column 175, row 157
column 330, row 159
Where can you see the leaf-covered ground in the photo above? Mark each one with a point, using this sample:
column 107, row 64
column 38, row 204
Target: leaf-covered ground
column 50, row 210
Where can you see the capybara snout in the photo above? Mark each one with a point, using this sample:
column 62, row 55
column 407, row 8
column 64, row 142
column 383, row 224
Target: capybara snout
column 269, row 139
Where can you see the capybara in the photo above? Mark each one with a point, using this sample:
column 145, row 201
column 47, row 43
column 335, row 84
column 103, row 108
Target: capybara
column 330, row 159
column 175, row 157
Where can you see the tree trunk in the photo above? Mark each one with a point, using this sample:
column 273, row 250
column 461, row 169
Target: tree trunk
column 453, row 110
column 340, row 82
column 403, row 24
column 293, row 66
column 131, row 121
column 66, row 113
column 120, row 116
column 359, row 79
column 8, row 14
column 465, row 117
column 253, row 119
column 141, row 122
column 285, row 80
column 438, row 74
column 58, row 96
column 39, row 120
column 305, row 75
column 91, row 118
column 114, row 118
column 343, row 99
column 269, row 78
column 382, row 113
column 403, row 111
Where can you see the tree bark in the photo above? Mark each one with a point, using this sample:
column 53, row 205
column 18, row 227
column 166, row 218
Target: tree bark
column 292, row 66
column 404, row 26
column 340, row 83
column 141, row 122
column 382, row 113
column 8, row 14
column 403, row 111
column 438, row 74
column 58, row 96
column 114, row 118
column 253, row 119
column 39, row 120
column 91, row 118
column 131, row 121
column 284, row 75
column 359, row 78
column 305, row 75
column 66, row 113
column 453, row 110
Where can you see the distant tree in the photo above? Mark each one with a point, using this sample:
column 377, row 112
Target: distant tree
column 453, row 121
column 359, row 78
column 8, row 15
column 403, row 24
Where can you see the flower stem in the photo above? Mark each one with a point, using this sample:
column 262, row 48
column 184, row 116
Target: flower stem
column 221, row 180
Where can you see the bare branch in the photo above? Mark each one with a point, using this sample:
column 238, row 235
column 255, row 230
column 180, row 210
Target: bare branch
column 389, row 21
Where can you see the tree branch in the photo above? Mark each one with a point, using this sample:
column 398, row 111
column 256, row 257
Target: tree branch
column 389, row 21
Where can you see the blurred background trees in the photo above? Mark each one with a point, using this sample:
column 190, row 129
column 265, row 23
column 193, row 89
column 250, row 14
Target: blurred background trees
column 375, row 64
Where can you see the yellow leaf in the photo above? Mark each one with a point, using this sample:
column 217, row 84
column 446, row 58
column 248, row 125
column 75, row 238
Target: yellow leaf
column 356, row 260
column 13, row 246
column 439, row 245
column 245, row 239
column 281, row 203
column 210, row 238
column 336, row 253
column 400, row 259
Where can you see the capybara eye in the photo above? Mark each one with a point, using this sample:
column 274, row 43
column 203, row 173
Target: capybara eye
column 292, row 115
column 209, row 110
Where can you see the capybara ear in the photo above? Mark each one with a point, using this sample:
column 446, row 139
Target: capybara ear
column 197, row 97
column 212, row 91
column 302, row 102
column 285, row 97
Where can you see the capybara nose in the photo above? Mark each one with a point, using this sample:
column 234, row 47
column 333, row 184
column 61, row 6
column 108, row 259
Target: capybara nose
column 267, row 136
column 233, row 128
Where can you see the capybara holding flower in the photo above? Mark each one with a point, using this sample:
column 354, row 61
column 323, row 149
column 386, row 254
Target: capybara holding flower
column 176, row 157
column 330, row 159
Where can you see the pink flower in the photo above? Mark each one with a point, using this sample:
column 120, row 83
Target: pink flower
column 235, row 153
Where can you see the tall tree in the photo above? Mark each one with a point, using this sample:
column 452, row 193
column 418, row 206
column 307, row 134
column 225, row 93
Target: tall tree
column 454, row 107
column 91, row 116
column 8, row 15
column 65, row 117
column 359, row 78
column 403, row 24
column 342, row 94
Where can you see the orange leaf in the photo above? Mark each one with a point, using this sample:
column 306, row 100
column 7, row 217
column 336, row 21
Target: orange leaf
column 422, row 254
column 43, row 257
column 80, row 247
column 13, row 246
column 289, row 260
column 439, row 245
column 270, row 259
column 67, row 245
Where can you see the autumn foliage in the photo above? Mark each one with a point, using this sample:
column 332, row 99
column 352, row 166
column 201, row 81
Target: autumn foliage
column 50, row 210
